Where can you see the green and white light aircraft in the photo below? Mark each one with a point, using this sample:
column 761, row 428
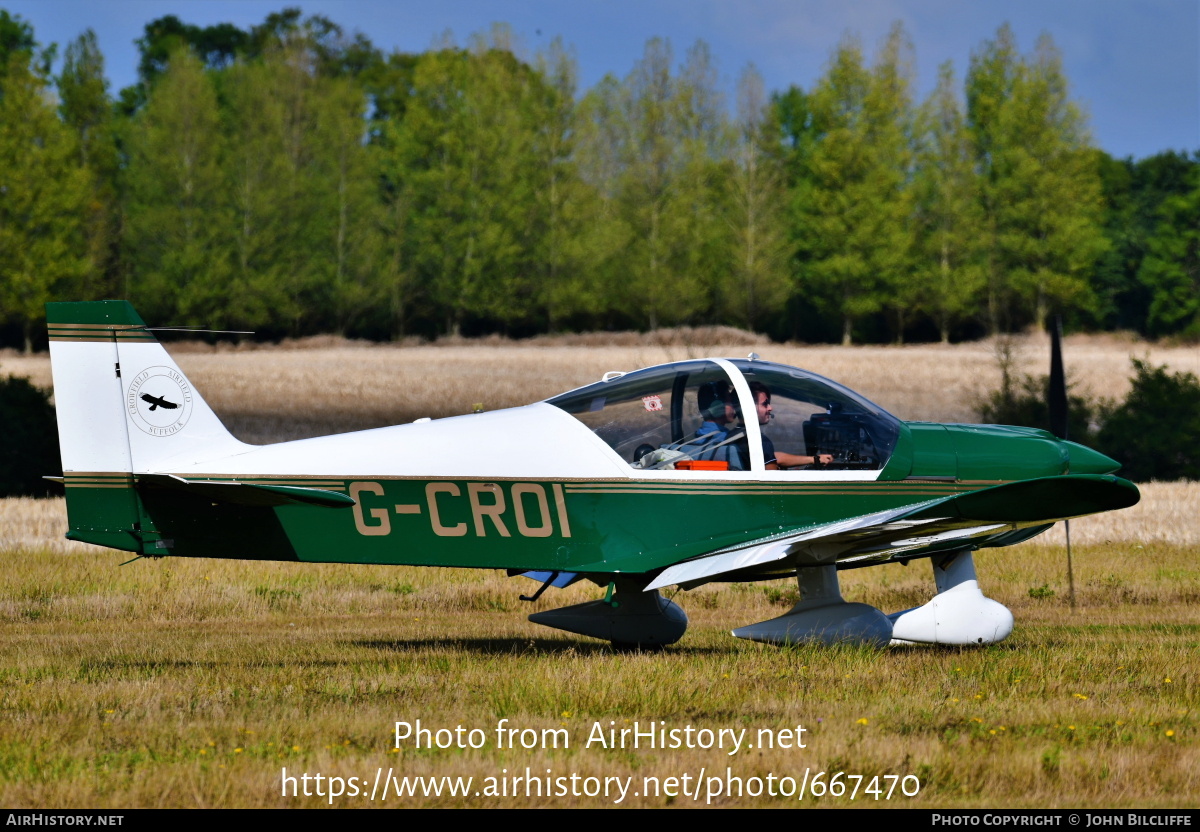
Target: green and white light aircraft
column 680, row 474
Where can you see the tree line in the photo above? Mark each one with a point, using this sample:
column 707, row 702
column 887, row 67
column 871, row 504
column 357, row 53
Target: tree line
column 293, row 179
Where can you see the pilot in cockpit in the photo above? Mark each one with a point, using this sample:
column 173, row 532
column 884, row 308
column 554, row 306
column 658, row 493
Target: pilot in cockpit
column 773, row 459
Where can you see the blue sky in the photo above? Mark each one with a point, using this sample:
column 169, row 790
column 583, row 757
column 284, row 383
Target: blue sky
column 1134, row 66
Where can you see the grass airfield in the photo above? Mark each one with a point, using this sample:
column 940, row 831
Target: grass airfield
column 195, row 683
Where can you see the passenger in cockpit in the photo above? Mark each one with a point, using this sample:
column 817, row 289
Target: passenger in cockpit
column 717, row 407
column 718, row 435
column 773, row 459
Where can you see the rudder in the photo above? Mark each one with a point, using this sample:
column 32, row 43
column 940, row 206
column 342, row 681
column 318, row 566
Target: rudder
column 123, row 407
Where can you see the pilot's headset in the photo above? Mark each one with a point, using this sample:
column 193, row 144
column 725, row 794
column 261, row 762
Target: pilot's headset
column 711, row 398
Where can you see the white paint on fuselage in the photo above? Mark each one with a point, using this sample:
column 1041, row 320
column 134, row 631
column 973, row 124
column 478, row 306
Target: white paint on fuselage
column 537, row 441
column 531, row 442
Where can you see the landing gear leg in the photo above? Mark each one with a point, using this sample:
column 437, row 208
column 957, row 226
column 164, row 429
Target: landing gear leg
column 822, row 616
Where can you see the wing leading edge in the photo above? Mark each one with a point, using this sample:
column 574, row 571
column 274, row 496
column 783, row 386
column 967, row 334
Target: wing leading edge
column 912, row 530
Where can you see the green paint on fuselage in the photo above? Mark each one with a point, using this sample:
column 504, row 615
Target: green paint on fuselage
column 604, row 526
column 614, row 526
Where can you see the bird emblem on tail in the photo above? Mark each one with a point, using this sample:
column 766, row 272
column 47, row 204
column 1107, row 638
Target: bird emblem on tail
column 156, row 402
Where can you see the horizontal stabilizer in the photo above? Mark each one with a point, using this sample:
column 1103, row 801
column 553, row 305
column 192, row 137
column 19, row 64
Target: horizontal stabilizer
column 932, row 526
column 249, row 494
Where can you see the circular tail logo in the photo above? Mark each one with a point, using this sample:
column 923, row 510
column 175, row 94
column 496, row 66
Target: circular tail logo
column 159, row 401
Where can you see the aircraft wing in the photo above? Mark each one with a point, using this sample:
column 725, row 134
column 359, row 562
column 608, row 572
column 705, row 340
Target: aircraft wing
column 932, row 525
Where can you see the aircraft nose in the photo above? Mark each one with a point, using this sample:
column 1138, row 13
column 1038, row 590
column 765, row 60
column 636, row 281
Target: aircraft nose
column 1084, row 460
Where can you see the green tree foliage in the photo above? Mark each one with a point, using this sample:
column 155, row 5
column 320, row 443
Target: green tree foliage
column 30, row 448
column 1041, row 188
column 178, row 227
column 333, row 55
column 605, row 235
column 216, row 46
column 86, row 108
column 696, row 215
column 666, row 183
column 470, row 156
column 564, row 286
column 652, row 150
column 16, row 37
column 397, row 258
column 1155, row 432
column 352, row 237
column 301, row 191
column 43, row 198
column 1171, row 269
column 265, row 195
column 889, row 109
column 1134, row 192
column 1024, row 401
column 990, row 81
column 221, row 45
column 948, row 218
column 851, row 203
column 799, row 134
column 290, row 178
column 655, row 285
column 759, row 281
column 388, row 84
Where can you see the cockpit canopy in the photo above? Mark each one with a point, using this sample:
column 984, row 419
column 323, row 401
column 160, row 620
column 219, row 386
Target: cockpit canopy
column 688, row 416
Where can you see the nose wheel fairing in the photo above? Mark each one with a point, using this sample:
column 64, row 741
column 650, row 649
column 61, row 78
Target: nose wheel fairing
column 960, row 614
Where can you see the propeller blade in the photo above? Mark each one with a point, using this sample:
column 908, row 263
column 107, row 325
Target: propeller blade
column 1058, row 422
column 1058, row 382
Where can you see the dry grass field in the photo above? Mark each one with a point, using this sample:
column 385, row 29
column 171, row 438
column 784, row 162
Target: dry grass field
column 196, row 683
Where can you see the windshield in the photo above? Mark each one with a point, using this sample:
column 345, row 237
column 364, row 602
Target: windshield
column 681, row 416
column 688, row 416
column 809, row 416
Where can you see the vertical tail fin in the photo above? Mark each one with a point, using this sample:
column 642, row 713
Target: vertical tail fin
column 123, row 403
column 123, row 407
